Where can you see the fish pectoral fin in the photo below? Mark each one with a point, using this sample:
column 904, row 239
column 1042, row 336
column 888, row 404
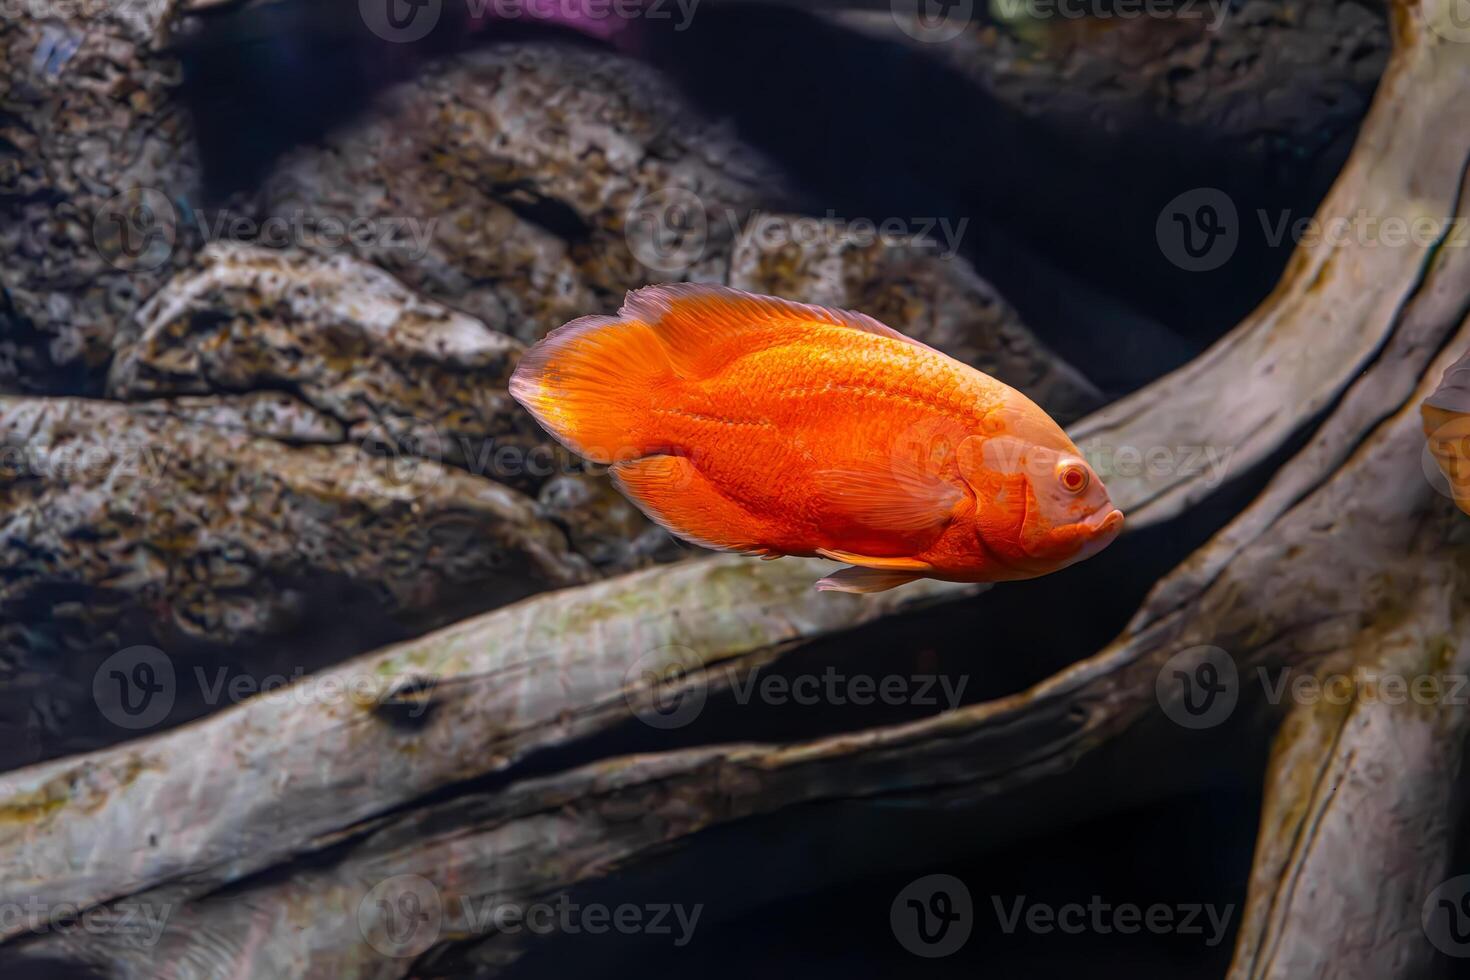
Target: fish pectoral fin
column 866, row 580
column 888, row 495
column 882, row 564
column 672, row 492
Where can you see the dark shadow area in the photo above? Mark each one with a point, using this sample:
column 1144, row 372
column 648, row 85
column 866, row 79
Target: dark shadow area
column 846, row 864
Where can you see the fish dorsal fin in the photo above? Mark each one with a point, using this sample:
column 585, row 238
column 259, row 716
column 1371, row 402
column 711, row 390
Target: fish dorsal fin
column 705, row 326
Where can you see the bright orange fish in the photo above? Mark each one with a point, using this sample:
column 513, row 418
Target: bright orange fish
column 748, row 423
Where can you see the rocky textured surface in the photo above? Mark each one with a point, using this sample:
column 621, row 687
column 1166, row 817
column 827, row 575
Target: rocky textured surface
column 95, row 159
column 345, row 338
column 530, row 162
column 552, row 179
column 1277, row 82
column 139, row 523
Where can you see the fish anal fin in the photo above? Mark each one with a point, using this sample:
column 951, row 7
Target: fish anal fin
column 680, row 499
column 705, row 326
column 865, row 580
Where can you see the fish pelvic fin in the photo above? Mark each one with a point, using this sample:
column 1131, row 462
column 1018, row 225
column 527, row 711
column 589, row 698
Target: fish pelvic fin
column 680, row 499
column 592, row 384
column 866, row 580
column 705, row 326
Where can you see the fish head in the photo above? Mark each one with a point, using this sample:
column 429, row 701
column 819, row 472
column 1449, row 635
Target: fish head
column 1040, row 506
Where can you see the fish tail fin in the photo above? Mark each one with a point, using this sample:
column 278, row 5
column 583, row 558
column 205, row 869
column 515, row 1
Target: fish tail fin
column 592, row 384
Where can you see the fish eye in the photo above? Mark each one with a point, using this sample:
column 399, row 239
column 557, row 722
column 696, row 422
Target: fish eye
column 1073, row 477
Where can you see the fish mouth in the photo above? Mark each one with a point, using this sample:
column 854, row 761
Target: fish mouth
column 1103, row 528
column 1109, row 523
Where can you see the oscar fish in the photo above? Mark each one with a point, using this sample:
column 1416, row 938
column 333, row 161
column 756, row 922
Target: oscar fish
column 753, row 424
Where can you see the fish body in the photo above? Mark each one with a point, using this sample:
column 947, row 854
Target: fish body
column 753, row 424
